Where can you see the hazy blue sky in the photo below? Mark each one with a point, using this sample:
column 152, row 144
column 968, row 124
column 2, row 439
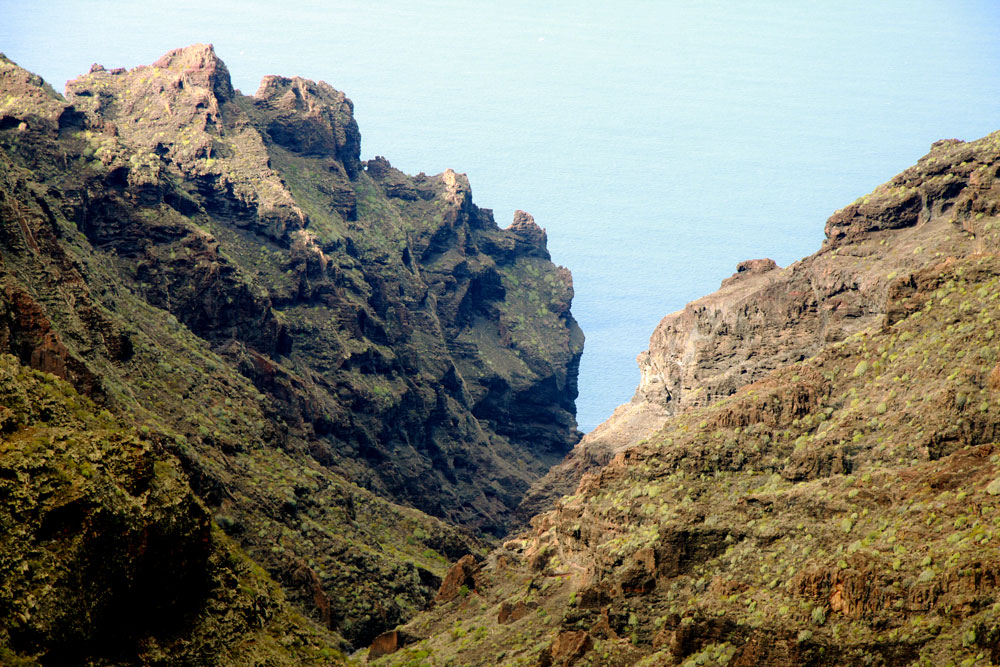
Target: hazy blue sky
column 658, row 142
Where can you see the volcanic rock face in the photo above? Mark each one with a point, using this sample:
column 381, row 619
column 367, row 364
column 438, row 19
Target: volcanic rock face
column 807, row 474
column 394, row 329
column 298, row 328
column 765, row 317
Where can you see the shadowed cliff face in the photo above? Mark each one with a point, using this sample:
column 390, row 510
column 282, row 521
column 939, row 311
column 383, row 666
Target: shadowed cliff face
column 313, row 337
column 807, row 475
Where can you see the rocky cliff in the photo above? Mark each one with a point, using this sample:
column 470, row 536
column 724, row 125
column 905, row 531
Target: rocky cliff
column 807, row 475
column 765, row 317
column 356, row 372
column 400, row 330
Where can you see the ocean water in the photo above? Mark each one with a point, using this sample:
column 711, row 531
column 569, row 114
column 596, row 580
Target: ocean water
column 659, row 143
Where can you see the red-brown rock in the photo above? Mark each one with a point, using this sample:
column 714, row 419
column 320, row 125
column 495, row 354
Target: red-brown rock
column 389, row 642
column 566, row 649
column 461, row 575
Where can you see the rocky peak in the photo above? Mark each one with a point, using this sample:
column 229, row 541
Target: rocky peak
column 181, row 114
column 457, row 188
column 524, row 223
column 311, row 119
column 198, row 64
column 182, row 84
column 28, row 99
column 529, row 234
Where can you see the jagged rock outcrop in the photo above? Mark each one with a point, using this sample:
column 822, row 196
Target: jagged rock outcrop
column 310, row 119
column 830, row 501
column 313, row 338
column 765, row 317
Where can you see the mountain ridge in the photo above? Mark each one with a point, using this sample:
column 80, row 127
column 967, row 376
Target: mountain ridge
column 328, row 350
column 764, row 316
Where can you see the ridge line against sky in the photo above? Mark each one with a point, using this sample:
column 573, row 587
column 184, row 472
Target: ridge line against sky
column 659, row 143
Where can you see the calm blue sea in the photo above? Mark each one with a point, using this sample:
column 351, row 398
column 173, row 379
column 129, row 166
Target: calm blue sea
column 658, row 142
